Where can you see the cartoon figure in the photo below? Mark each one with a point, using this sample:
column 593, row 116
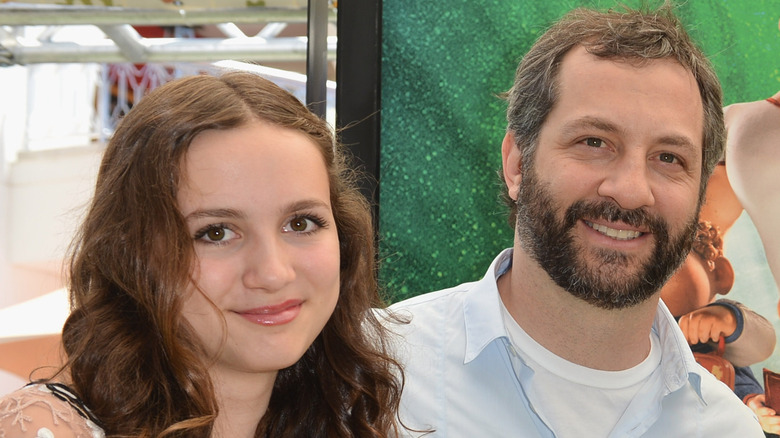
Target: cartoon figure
column 691, row 297
column 752, row 165
column 706, row 273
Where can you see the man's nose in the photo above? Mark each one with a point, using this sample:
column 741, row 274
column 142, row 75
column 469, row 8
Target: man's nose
column 627, row 183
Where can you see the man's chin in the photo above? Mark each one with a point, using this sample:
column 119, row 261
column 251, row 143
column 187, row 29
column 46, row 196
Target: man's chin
column 613, row 299
column 614, row 286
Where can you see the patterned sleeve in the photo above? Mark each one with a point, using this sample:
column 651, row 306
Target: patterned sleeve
column 45, row 411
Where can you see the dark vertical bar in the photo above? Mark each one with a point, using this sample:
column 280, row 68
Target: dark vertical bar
column 317, row 57
column 358, row 86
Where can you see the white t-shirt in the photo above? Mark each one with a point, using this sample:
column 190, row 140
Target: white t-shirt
column 591, row 394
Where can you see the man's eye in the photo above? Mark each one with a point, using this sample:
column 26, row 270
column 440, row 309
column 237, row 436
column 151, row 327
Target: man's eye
column 668, row 158
column 594, row 142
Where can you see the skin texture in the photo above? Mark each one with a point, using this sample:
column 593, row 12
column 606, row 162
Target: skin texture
column 267, row 256
column 622, row 134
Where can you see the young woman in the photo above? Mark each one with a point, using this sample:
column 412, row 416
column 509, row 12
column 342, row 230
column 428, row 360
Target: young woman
column 222, row 281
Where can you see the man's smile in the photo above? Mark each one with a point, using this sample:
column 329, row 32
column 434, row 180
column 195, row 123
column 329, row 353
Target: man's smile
column 614, row 233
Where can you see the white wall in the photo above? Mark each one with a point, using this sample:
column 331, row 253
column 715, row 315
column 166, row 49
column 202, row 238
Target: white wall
column 41, row 191
column 5, row 268
column 42, row 200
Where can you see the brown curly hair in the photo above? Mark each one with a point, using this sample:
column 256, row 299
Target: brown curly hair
column 708, row 243
column 132, row 357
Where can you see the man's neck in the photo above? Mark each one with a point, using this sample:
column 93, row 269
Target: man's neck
column 570, row 327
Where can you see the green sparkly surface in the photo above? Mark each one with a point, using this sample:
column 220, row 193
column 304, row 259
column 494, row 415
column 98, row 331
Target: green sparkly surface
column 444, row 63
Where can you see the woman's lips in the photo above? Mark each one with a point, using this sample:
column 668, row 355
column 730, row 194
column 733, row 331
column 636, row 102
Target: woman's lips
column 277, row 314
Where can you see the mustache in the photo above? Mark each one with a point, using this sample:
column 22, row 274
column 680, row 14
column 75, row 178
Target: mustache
column 609, row 211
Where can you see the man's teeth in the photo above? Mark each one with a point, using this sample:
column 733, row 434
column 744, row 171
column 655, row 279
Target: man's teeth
column 613, row 233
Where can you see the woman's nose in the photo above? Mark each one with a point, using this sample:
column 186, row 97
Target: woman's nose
column 269, row 265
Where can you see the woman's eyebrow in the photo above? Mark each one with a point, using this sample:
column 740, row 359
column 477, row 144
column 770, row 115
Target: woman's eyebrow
column 305, row 204
column 230, row 213
column 215, row 212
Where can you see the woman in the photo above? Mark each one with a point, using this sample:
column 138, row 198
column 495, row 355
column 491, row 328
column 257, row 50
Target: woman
column 222, row 281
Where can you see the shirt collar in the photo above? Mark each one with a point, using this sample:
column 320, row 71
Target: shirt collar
column 677, row 362
column 482, row 308
column 484, row 324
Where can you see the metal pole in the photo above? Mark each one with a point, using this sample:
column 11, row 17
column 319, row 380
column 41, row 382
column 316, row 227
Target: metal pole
column 358, row 88
column 317, row 57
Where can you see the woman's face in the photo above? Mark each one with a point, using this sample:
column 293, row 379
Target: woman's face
column 257, row 204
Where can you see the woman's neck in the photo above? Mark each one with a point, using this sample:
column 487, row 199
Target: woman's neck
column 242, row 399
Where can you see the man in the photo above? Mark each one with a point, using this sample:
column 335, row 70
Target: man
column 615, row 124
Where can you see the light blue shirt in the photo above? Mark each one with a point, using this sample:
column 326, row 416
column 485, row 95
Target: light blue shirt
column 463, row 379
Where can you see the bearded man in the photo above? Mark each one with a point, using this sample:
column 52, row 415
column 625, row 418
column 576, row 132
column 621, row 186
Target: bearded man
column 614, row 126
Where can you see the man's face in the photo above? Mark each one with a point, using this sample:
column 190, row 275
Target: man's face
column 608, row 207
column 603, row 276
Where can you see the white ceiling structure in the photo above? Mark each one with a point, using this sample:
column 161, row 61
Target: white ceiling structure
column 232, row 26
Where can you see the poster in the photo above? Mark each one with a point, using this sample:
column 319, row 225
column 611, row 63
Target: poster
column 444, row 66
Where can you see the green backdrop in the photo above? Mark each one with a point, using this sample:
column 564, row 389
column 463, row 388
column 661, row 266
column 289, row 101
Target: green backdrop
column 444, row 63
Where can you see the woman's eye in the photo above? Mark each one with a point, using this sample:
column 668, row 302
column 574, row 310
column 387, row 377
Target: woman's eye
column 299, row 225
column 594, row 142
column 668, row 158
column 215, row 234
column 305, row 224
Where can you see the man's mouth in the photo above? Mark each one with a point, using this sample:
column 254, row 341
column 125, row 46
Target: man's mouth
column 613, row 233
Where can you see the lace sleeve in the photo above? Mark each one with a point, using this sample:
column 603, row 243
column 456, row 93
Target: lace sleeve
column 38, row 411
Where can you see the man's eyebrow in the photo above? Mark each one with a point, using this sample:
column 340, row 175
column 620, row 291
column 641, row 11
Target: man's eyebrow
column 589, row 122
column 604, row 125
column 679, row 141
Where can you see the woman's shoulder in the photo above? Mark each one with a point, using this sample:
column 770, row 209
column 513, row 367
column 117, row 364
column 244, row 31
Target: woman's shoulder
column 46, row 410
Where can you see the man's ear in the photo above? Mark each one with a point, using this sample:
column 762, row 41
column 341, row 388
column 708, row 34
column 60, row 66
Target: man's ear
column 511, row 161
column 722, row 277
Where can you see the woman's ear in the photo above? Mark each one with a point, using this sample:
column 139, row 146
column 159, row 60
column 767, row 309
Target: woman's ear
column 512, row 164
column 722, row 277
